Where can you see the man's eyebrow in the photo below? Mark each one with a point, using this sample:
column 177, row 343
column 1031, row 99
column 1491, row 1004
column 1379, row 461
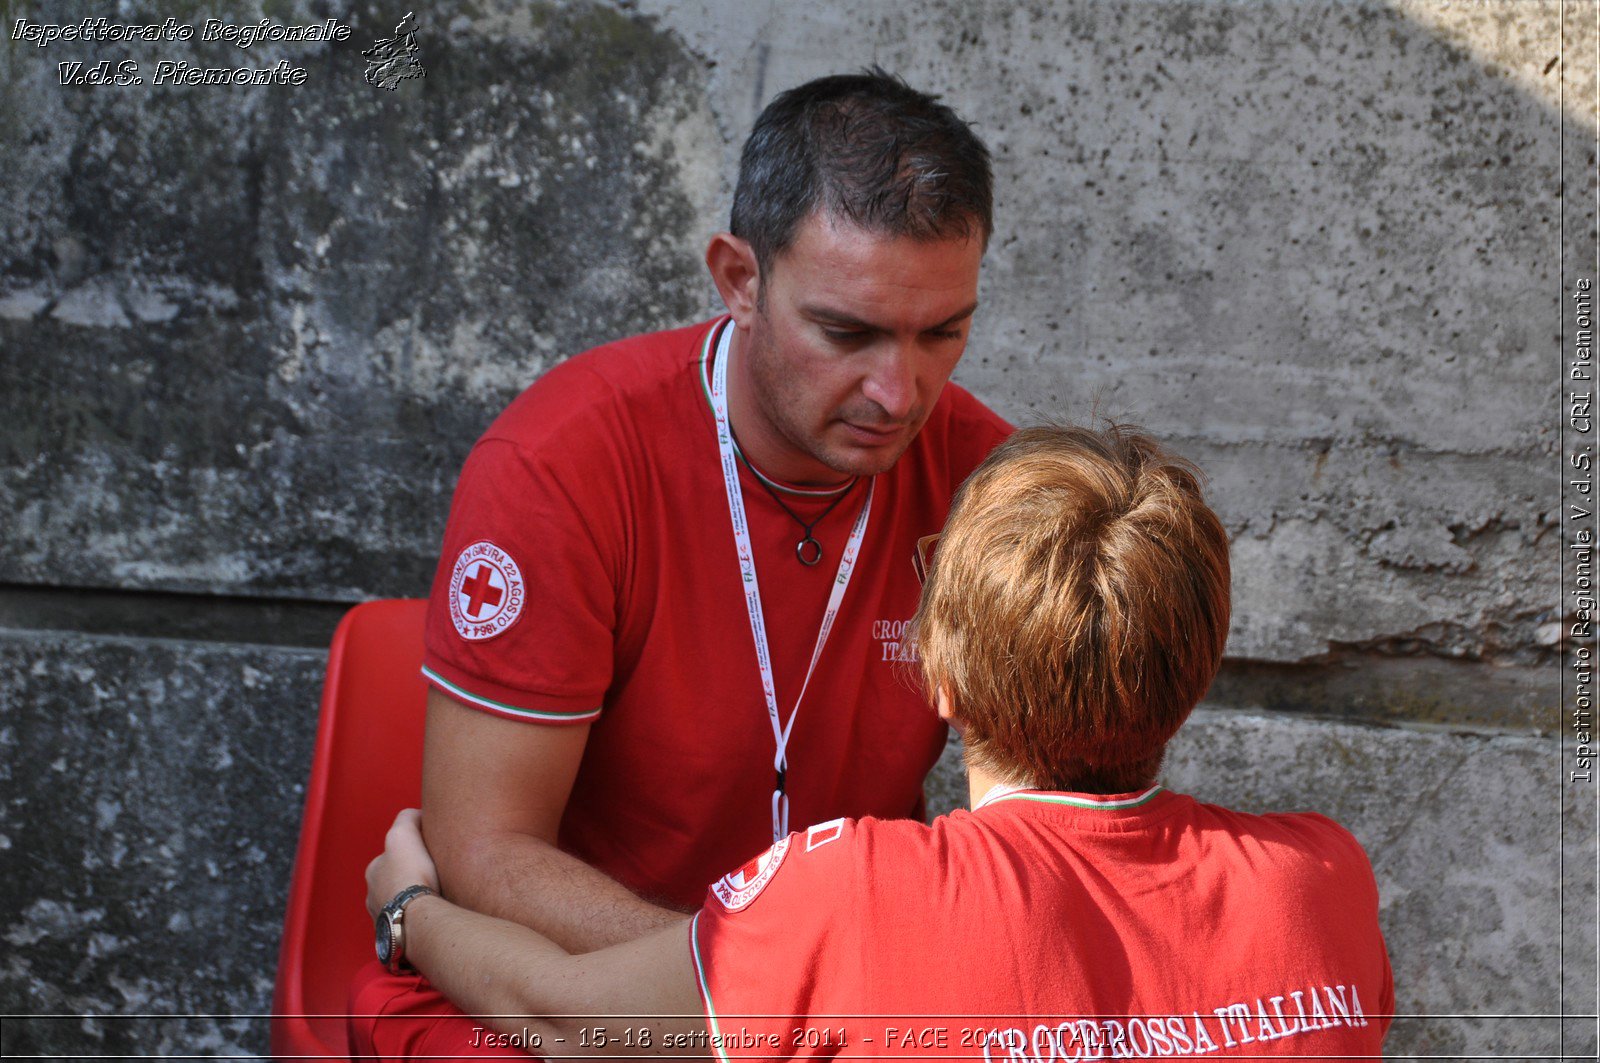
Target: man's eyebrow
column 827, row 315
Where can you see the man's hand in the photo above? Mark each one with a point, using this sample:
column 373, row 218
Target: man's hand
column 403, row 862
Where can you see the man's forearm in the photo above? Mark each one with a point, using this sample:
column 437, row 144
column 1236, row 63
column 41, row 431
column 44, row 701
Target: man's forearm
column 515, row 980
column 527, row 881
column 484, row 965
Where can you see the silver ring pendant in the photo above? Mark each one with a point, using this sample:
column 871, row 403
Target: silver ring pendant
column 815, row 554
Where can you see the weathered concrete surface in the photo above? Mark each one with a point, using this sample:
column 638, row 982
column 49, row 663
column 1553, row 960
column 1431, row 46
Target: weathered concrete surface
column 1465, row 834
column 150, row 798
column 1312, row 243
column 1398, row 687
column 249, row 333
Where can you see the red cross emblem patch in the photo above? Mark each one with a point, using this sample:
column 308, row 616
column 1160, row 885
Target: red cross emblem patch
column 740, row 888
column 486, row 592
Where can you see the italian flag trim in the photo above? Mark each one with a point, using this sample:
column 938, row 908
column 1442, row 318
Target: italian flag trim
column 502, row 707
column 1077, row 800
column 705, row 987
column 705, row 359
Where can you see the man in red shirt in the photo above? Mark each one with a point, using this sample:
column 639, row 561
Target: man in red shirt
column 668, row 617
column 1076, row 611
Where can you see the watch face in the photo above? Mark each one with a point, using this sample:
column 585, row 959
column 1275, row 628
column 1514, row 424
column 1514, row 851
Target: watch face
column 385, row 940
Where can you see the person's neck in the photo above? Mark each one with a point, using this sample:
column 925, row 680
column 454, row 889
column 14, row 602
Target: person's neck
column 761, row 444
column 980, row 781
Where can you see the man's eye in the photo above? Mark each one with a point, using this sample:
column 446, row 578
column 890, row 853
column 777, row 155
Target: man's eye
column 844, row 335
column 946, row 334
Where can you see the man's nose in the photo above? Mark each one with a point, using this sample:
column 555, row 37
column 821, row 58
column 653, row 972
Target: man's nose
column 892, row 381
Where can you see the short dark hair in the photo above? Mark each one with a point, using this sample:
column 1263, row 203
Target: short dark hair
column 1076, row 608
column 867, row 148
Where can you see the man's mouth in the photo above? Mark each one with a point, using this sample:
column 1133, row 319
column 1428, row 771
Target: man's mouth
column 874, row 433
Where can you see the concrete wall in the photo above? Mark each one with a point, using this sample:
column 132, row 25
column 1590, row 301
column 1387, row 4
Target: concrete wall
column 247, row 335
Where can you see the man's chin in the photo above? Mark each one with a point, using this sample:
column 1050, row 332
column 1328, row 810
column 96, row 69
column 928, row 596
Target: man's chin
column 864, row 461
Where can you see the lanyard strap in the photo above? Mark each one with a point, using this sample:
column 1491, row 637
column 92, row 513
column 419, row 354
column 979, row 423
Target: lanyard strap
column 752, row 590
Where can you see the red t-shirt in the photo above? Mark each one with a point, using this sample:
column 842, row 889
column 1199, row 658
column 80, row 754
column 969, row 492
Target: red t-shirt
column 1050, row 925
column 589, row 573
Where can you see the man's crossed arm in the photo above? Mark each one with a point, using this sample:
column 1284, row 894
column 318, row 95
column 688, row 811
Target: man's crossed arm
column 513, row 978
column 494, row 791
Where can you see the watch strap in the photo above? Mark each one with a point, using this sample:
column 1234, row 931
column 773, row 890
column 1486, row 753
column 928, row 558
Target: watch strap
column 406, row 896
column 391, row 921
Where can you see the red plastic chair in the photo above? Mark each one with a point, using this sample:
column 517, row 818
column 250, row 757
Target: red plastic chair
column 366, row 767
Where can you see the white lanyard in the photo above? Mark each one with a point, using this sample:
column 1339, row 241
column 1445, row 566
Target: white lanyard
column 752, row 591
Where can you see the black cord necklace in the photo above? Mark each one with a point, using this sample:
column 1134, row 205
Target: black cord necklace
column 808, row 550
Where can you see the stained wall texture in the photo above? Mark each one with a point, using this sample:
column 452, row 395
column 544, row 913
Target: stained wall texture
column 248, row 333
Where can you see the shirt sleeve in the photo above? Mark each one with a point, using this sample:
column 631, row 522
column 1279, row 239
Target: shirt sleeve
column 775, row 948
column 523, row 608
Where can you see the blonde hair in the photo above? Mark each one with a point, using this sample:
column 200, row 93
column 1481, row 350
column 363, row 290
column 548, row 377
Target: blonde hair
column 1076, row 607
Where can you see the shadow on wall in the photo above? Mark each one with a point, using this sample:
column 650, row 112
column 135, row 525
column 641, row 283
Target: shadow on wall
column 1318, row 245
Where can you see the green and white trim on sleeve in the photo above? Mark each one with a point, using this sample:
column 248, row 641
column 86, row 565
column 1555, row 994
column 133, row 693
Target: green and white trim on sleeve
column 506, row 709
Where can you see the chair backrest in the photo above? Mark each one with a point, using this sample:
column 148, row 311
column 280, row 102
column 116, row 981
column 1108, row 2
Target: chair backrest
column 366, row 767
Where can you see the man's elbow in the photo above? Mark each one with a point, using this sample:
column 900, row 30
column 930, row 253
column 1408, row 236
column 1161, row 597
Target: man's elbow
column 482, row 865
column 563, row 1035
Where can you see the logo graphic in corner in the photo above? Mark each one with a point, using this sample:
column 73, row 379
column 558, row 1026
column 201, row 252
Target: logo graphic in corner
column 740, row 888
column 486, row 592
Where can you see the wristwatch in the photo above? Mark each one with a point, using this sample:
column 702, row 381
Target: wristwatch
column 391, row 929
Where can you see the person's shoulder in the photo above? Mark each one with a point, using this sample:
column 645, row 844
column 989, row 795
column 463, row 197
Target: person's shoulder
column 1330, row 838
column 789, row 872
column 1301, row 843
column 1315, row 827
column 589, row 390
column 909, row 849
column 823, row 856
column 959, row 433
column 960, row 411
column 645, row 357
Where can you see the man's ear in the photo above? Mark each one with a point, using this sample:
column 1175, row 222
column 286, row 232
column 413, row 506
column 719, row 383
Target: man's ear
column 737, row 275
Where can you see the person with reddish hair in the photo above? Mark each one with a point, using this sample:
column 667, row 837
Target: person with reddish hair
column 1075, row 611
